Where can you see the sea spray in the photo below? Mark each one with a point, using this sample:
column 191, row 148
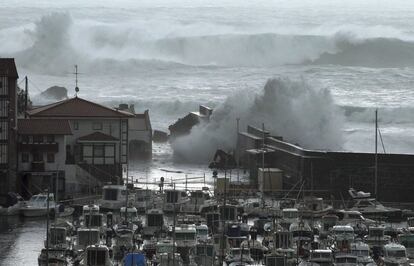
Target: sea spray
column 58, row 41
column 289, row 108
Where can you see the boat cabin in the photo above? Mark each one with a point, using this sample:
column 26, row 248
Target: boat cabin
column 343, row 233
column 113, row 197
column 90, row 209
column 155, row 218
column 185, row 235
column 228, row 212
column 407, row 240
column 165, row 246
column 97, row 255
column 395, row 254
column 86, row 237
column 57, row 236
column 322, row 257
column 345, row 259
column 204, row 254
column 202, row 232
column 174, row 199
column 131, row 214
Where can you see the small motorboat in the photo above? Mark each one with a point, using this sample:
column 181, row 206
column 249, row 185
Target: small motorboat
column 37, row 205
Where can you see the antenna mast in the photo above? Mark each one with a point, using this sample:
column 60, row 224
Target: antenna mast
column 76, row 81
column 376, row 153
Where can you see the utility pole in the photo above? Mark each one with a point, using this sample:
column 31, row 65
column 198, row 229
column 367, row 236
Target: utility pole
column 237, row 150
column 26, row 96
column 376, row 154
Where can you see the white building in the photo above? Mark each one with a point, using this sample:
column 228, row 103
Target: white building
column 83, row 142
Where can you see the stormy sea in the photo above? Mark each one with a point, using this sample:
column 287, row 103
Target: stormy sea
column 312, row 71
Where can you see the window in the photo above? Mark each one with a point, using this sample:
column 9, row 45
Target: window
column 25, row 139
column 50, row 138
column 75, row 125
column 38, row 139
column 37, row 157
column 25, row 157
column 4, row 128
column 97, row 126
column 3, row 86
column 3, row 154
column 98, row 151
column 50, row 157
column 4, row 108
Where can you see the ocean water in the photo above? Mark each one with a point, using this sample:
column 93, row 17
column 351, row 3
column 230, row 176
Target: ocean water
column 311, row 71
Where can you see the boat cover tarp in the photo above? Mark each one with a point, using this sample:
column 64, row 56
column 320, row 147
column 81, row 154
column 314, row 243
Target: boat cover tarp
column 134, row 259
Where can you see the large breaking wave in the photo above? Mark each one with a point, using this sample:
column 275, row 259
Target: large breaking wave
column 292, row 109
column 57, row 42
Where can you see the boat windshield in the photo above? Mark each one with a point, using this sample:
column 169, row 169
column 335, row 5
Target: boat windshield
column 376, row 232
column 407, row 241
column 321, row 255
column 184, row 236
column 346, row 260
column 110, row 194
column 38, row 198
column 202, row 231
column 290, row 214
column 360, row 253
column 396, row 253
column 165, row 248
column 97, row 257
column 57, row 236
column 155, row 220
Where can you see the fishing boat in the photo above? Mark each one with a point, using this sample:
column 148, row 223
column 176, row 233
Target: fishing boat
column 238, row 255
column 37, row 205
column 144, row 200
column 204, row 254
column 130, row 216
column 154, row 223
column 343, row 235
column 197, row 199
column 407, row 240
column 166, row 254
column 345, row 259
column 362, row 250
column 96, row 255
column 174, row 200
column 395, row 254
column 312, row 207
column 202, row 232
column 114, row 197
column 320, row 257
column 53, row 257
column 371, row 208
column 86, row 237
column 376, row 237
column 289, row 216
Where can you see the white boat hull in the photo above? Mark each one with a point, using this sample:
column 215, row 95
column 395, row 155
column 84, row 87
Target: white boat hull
column 34, row 212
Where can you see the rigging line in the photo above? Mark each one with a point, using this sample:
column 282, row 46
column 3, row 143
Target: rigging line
column 382, row 142
column 34, row 85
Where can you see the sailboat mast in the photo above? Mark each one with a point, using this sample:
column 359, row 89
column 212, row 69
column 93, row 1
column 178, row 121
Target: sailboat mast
column 376, row 154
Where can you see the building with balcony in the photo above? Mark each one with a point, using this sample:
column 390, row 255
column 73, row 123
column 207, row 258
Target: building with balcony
column 8, row 117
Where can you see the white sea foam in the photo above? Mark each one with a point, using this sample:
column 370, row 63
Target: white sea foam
column 300, row 113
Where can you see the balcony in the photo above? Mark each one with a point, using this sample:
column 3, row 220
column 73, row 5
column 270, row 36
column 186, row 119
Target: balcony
column 39, row 147
column 38, row 166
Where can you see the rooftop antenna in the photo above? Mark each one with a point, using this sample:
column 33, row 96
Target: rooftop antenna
column 76, row 81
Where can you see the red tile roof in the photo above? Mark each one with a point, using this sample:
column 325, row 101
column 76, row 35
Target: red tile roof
column 8, row 68
column 43, row 127
column 77, row 107
column 97, row 136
